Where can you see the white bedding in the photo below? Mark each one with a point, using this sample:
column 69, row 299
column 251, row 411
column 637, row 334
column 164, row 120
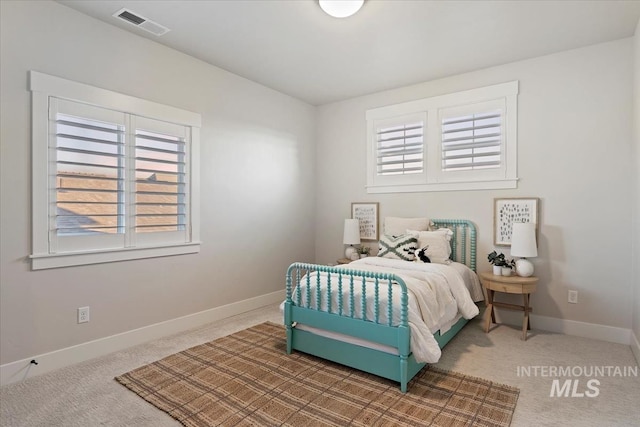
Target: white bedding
column 437, row 295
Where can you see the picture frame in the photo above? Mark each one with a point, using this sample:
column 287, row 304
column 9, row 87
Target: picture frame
column 510, row 210
column 367, row 214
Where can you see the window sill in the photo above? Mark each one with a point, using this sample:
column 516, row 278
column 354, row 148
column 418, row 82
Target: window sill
column 45, row 261
column 449, row 186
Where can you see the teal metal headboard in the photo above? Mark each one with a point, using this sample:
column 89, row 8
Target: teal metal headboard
column 463, row 242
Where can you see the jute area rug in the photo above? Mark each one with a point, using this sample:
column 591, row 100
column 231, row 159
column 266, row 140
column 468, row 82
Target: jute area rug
column 248, row 379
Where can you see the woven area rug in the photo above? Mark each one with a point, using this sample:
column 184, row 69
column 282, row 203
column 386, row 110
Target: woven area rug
column 248, row 379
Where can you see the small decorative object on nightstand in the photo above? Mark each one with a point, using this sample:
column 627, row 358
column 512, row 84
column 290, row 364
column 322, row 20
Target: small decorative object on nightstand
column 364, row 251
column 343, row 261
column 524, row 286
column 501, row 266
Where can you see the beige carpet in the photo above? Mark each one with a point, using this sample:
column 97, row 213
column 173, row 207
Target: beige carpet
column 85, row 394
column 248, row 379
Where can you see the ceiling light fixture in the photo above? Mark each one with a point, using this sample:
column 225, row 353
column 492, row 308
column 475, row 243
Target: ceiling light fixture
column 341, row 8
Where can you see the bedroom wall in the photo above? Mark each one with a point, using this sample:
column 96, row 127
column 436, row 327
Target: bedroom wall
column 257, row 181
column 636, row 192
column 574, row 148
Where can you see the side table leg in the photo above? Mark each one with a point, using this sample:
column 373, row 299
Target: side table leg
column 489, row 315
column 525, row 322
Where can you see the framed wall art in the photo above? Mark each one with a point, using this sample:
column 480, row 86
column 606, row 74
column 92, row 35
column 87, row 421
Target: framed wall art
column 367, row 215
column 508, row 211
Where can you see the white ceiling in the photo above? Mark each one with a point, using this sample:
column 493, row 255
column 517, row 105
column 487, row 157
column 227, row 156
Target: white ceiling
column 294, row 47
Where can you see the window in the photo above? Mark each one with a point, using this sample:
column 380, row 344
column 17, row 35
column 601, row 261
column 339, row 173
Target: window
column 399, row 149
column 471, row 142
column 113, row 176
column 461, row 141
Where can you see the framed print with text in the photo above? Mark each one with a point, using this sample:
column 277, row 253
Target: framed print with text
column 508, row 211
column 367, row 215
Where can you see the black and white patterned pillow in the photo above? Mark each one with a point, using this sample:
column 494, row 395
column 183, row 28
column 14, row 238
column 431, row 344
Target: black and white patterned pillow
column 398, row 247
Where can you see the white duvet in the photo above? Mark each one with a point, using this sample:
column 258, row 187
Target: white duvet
column 437, row 294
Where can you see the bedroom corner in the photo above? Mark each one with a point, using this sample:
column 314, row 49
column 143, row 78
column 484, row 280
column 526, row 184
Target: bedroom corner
column 635, row 344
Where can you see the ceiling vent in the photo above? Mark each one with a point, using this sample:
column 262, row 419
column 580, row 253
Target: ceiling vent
column 134, row 18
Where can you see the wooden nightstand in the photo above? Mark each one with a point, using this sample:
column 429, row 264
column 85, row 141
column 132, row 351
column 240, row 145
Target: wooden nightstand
column 343, row 261
column 510, row 285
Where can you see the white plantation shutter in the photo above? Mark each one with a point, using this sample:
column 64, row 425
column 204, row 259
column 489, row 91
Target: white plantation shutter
column 161, row 179
column 116, row 180
column 472, row 141
column 86, row 177
column 160, row 190
column 400, row 148
column 397, row 151
column 89, row 172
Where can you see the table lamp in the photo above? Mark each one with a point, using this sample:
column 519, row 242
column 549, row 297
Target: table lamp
column 523, row 244
column 351, row 236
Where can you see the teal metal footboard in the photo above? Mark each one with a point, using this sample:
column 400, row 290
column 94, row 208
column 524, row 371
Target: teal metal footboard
column 350, row 304
column 356, row 293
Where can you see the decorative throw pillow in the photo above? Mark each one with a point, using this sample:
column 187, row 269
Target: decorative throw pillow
column 395, row 226
column 398, row 247
column 436, row 244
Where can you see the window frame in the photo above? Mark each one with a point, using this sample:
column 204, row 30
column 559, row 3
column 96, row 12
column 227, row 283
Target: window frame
column 43, row 87
column 435, row 179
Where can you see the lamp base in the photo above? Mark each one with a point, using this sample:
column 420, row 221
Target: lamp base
column 350, row 251
column 524, row 267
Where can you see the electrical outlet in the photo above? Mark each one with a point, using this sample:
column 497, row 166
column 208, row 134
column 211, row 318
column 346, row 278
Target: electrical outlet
column 573, row 297
column 83, row 314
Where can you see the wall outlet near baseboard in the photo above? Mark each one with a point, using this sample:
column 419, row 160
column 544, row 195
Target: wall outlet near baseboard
column 83, row 314
column 573, row 297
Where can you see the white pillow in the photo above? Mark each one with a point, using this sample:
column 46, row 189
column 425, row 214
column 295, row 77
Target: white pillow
column 395, row 226
column 438, row 244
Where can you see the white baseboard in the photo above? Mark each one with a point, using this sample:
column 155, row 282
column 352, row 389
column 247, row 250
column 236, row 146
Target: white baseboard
column 47, row 362
column 635, row 347
column 22, row 369
column 570, row 327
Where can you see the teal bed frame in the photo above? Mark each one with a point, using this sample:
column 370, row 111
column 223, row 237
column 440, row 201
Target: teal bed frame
column 319, row 313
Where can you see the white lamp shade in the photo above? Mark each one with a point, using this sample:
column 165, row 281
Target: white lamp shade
column 341, row 8
column 523, row 240
column 351, row 234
